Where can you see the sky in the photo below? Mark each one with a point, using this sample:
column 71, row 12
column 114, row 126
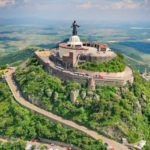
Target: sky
column 128, row 11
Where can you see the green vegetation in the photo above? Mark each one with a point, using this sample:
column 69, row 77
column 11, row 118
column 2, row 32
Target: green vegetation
column 14, row 145
column 18, row 122
column 138, row 60
column 110, row 110
column 117, row 64
column 114, row 111
column 17, row 57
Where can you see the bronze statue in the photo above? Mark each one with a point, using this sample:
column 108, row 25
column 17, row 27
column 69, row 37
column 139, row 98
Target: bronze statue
column 74, row 26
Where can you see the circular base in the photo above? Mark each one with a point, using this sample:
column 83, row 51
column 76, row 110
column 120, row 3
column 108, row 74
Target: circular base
column 75, row 41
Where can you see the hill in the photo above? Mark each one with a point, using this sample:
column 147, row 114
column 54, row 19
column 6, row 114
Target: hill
column 18, row 122
column 113, row 111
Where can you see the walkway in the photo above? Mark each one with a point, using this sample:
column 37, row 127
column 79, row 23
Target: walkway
column 55, row 118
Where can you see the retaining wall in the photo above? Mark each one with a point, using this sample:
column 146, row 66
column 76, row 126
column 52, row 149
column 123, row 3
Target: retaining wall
column 67, row 75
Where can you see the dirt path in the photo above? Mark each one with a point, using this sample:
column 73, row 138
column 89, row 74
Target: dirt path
column 56, row 118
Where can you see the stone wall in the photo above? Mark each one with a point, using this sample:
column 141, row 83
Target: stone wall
column 96, row 58
column 64, row 75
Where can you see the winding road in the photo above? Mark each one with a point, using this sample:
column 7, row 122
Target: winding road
column 57, row 119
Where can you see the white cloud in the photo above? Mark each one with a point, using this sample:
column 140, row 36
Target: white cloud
column 127, row 4
column 86, row 5
column 4, row 3
column 117, row 5
column 92, row 5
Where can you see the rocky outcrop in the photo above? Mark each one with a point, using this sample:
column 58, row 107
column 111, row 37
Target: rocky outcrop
column 55, row 96
column 138, row 107
column 96, row 97
column 144, row 97
column 49, row 92
column 90, row 94
column 73, row 95
column 91, row 84
column 33, row 99
column 83, row 94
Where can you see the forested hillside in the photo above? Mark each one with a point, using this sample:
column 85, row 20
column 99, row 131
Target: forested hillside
column 114, row 111
column 14, row 145
column 18, row 122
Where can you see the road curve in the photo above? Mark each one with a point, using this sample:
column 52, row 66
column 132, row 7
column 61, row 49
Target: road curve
column 55, row 118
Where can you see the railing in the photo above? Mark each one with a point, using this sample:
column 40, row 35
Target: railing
column 73, row 48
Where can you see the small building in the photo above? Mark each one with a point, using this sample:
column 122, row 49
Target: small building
column 104, row 48
column 70, row 60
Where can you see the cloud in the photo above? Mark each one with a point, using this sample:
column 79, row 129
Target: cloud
column 115, row 5
column 4, row 3
column 92, row 5
column 86, row 5
column 128, row 4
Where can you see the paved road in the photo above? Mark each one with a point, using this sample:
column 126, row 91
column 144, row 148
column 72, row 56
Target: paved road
column 56, row 118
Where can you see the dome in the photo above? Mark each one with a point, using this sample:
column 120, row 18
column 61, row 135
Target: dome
column 75, row 41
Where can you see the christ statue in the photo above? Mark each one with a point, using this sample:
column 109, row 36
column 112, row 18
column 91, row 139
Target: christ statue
column 74, row 26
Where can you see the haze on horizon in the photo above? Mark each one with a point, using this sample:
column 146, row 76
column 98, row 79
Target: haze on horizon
column 98, row 11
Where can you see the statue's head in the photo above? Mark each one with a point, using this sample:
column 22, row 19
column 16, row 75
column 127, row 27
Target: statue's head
column 74, row 21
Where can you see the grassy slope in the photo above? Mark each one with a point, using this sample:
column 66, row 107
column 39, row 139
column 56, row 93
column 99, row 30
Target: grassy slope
column 115, row 65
